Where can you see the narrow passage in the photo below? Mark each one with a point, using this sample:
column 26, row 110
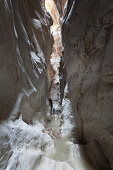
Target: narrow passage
column 66, row 154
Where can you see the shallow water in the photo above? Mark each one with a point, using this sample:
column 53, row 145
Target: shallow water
column 67, row 151
column 61, row 152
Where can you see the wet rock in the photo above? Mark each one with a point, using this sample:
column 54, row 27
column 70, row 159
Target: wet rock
column 52, row 164
column 5, row 149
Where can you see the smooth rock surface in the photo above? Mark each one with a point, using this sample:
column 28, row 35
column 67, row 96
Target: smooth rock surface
column 25, row 48
column 87, row 40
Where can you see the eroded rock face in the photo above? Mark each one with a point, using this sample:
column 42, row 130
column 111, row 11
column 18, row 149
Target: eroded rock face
column 25, row 47
column 5, row 148
column 53, row 9
column 60, row 5
column 57, row 73
column 87, row 39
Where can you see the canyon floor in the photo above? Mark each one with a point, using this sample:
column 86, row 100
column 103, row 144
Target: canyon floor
column 66, row 155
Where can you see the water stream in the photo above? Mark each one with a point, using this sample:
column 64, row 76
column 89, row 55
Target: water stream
column 66, row 151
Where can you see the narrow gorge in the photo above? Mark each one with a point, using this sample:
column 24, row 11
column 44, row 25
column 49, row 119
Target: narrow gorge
column 59, row 51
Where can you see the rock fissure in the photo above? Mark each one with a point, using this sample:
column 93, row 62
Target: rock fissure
column 64, row 57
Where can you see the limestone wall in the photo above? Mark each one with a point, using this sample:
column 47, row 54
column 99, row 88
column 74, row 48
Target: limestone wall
column 25, row 48
column 88, row 54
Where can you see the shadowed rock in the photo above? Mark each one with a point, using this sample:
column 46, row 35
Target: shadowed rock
column 25, row 47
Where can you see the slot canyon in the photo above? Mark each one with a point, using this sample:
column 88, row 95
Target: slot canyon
column 56, row 84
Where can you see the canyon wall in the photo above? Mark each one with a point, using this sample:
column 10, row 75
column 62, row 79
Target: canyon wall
column 25, row 48
column 55, row 57
column 60, row 5
column 57, row 72
column 88, row 53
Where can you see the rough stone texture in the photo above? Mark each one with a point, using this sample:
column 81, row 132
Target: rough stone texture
column 25, row 47
column 60, row 5
column 5, row 149
column 88, row 39
column 21, row 145
column 62, row 78
column 57, row 75
column 53, row 9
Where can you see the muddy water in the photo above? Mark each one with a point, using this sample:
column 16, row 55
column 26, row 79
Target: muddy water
column 67, row 151
column 61, row 152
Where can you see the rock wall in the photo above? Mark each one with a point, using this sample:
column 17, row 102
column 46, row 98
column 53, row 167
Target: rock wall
column 25, row 48
column 58, row 73
column 53, row 9
column 87, row 39
column 60, row 5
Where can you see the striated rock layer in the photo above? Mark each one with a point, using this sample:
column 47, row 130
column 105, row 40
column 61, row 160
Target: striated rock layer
column 53, row 9
column 88, row 53
column 60, row 5
column 25, row 47
column 57, row 70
